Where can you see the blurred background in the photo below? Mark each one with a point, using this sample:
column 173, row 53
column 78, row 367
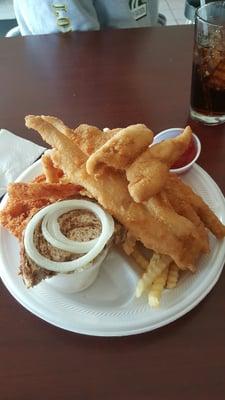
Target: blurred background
column 173, row 11
column 7, row 16
column 177, row 12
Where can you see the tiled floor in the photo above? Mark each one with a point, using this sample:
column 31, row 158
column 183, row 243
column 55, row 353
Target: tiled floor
column 173, row 11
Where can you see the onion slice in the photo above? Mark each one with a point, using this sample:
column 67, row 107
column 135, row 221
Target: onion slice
column 52, row 233
column 68, row 266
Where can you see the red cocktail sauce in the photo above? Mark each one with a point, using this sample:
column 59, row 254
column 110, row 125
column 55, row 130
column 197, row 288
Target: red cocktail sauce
column 187, row 157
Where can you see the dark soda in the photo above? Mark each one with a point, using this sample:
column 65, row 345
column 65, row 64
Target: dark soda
column 208, row 81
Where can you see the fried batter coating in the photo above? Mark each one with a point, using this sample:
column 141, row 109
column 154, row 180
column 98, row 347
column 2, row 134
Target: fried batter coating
column 15, row 215
column 168, row 151
column 148, row 173
column 180, row 193
column 25, row 199
column 179, row 214
column 180, row 226
column 47, row 124
column 132, row 182
column 129, row 244
column 52, row 174
column 182, row 207
column 121, row 149
column 147, row 177
column 89, row 138
column 35, row 191
column 110, row 190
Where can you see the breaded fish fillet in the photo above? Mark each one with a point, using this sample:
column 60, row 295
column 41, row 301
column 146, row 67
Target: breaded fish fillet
column 25, row 199
column 49, row 191
column 122, row 149
column 178, row 223
column 15, row 215
column 111, row 191
column 178, row 192
column 148, row 173
column 88, row 138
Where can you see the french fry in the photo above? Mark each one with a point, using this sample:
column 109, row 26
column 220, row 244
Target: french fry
column 157, row 264
column 173, row 276
column 139, row 259
column 156, row 289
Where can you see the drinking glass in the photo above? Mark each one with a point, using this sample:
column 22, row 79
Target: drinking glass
column 208, row 73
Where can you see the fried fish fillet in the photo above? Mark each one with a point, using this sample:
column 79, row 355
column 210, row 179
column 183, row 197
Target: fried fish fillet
column 122, row 149
column 148, row 173
column 110, row 189
column 183, row 208
column 52, row 174
column 193, row 239
column 180, row 193
column 35, row 191
column 16, row 213
column 147, row 168
column 88, row 138
column 178, row 223
column 168, row 151
column 25, row 199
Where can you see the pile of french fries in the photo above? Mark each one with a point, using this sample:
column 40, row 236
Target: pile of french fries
column 160, row 273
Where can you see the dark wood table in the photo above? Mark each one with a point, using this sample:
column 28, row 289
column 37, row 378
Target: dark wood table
column 112, row 79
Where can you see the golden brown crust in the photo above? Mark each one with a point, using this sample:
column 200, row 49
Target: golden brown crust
column 25, row 199
column 49, row 191
column 122, row 149
column 51, row 173
column 176, row 187
column 89, row 138
column 170, row 224
column 110, row 189
column 146, row 178
column 149, row 172
column 16, row 213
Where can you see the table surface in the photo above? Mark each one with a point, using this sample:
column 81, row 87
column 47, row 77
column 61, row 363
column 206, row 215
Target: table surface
column 112, row 78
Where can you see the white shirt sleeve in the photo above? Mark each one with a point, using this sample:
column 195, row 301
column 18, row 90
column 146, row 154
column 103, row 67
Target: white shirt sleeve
column 49, row 16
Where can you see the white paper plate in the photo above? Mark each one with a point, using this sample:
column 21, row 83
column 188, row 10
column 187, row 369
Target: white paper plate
column 109, row 307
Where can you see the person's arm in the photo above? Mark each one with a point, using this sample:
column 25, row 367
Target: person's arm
column 48, row 16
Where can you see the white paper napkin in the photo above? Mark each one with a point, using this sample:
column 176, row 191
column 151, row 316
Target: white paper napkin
column 16, row 154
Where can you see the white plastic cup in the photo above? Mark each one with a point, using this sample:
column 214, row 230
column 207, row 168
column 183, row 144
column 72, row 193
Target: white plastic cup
column 80, row 279
column 171, row 133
